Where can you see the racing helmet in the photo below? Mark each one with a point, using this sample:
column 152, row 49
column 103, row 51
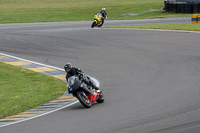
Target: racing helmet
column 103, row 9
column 68, row 67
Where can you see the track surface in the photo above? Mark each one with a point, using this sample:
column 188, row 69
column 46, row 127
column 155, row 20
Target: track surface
column 150, row 79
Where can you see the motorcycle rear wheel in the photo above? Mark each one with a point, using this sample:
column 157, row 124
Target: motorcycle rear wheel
column 101, row 98
column 83, row 99
column 101, row 24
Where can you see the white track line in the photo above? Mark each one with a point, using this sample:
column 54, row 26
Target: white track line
column 32, row 62
column 179, row 31
column 40, row 114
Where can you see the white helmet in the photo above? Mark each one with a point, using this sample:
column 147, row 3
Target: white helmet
column 104, row 9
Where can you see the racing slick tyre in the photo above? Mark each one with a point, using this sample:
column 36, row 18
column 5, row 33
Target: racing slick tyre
column 101, row 98
column 83, row 99
column 93, row 24
column 100, row 25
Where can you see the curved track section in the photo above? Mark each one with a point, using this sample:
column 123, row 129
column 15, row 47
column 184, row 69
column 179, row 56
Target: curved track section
column 150, row 79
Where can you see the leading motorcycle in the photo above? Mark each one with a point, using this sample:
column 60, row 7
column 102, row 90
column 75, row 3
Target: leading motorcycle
column 97, row 20
column 83, row 92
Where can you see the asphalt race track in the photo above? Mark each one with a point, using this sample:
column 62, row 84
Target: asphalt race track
column 150, row 79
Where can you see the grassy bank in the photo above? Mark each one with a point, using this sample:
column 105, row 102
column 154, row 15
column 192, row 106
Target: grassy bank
column 20, row 11
column 186, row 27
column 22, row 89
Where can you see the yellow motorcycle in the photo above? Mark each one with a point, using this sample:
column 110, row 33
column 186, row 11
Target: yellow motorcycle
column 98, row 20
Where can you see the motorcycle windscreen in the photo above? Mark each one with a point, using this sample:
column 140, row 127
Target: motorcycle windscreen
column 74, row 84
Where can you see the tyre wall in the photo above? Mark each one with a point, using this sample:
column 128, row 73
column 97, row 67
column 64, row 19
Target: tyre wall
column 186, row 7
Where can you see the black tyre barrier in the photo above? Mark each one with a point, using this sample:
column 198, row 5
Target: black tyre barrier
column 171, row 6
column 188, row 8
column 182, row 7
column 167, row 9
column 199, row 8
column 176, row 8
column 179, row 8
column 195, row 8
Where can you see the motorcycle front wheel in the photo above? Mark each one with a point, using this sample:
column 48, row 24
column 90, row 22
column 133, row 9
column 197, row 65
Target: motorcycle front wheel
column 83, row 99
column 93, row 24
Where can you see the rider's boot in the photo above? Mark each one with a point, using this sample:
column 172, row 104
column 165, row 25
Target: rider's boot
column 96, row 88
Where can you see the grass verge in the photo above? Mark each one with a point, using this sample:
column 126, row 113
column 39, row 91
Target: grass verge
column 23, row 11
column 22, row 89
column 186, row 27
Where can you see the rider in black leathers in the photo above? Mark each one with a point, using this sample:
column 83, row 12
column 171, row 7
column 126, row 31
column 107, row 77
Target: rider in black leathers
column 71, row 71
column 104, row 14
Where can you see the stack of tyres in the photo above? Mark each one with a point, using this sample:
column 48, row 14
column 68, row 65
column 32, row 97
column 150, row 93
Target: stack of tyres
column 188, row 8
column 170, row 6
column 167, row 6
column 175, row 8
column 182, row 7
column 198, row 19
column 195, row 8
column 179, row 7
column 199, row 7
column 194, row 19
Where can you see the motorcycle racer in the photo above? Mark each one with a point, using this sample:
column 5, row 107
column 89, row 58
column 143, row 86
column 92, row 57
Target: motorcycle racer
column 75, row 71
column 104, row 14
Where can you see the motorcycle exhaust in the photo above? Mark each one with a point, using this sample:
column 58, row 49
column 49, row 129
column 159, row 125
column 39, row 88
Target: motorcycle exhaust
column 86, row 89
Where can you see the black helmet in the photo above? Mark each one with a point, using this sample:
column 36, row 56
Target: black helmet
column 68, row 67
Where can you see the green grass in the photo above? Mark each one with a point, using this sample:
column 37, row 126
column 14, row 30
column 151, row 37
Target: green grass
column 186, row 27
column 22, row 89
column 23, row 11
